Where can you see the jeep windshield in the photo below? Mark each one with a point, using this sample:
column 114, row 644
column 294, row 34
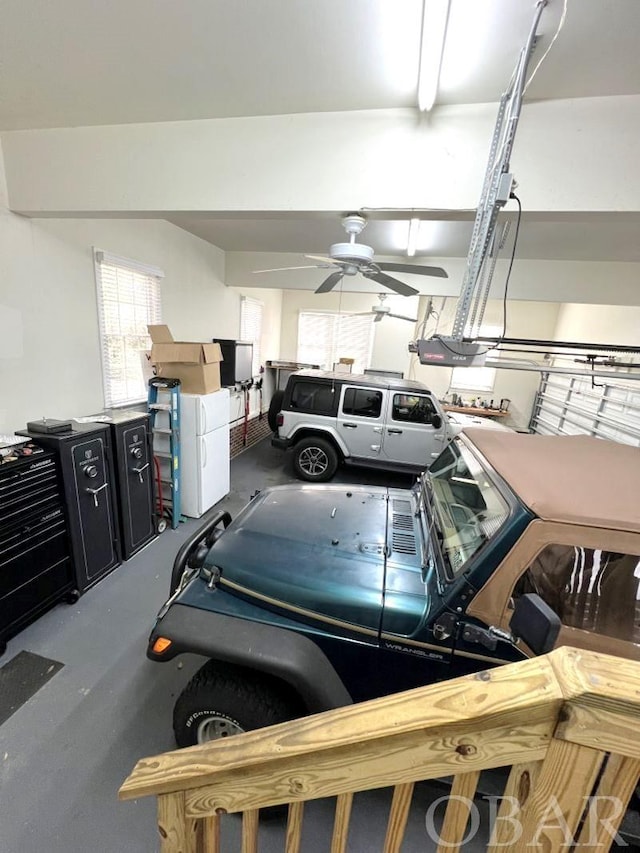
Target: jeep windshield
column 464, row 507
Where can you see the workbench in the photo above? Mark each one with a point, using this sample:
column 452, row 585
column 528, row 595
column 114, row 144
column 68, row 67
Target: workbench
column 476, row 410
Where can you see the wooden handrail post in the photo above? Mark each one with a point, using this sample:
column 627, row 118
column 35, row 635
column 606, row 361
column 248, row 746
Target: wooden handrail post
column 177, row 833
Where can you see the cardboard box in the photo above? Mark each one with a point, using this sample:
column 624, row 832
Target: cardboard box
column 196, row 365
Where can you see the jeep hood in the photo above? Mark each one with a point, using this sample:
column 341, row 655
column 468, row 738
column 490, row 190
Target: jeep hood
column 309, row 550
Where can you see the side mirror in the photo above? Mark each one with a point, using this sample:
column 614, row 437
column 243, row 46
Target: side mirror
column 535, row 622
column 436, row 421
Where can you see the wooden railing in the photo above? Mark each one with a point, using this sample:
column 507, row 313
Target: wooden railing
column 567, row 724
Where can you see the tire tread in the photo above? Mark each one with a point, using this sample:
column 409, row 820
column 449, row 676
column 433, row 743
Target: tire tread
column 247, row 689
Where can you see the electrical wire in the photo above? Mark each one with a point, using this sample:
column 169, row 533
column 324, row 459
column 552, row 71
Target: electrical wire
column 544, row 55
column 513, row 256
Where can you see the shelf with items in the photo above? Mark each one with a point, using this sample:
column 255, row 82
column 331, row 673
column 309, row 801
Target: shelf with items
column 476, row 410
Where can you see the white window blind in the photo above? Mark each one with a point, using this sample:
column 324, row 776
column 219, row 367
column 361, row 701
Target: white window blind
column 325, row 338
column 128, row 300
column 251, row 328
column 477, row 378
column 473, row 378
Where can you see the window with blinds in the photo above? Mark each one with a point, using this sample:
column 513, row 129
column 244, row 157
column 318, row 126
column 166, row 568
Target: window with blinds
column 473, row 378
column 251, row 328
column 128, row 301
column 324, row 338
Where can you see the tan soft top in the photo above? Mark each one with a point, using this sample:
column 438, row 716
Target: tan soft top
column 568, row 478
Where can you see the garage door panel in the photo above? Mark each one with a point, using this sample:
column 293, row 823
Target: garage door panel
column 571, row 405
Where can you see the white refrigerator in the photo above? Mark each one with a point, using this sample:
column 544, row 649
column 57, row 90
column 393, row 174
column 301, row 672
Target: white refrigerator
column 204, row 449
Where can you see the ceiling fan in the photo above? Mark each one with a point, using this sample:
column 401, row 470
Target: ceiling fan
column 382, row 310
column 352, row 258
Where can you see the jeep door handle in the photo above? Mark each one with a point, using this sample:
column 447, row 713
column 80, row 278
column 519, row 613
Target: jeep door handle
column 350, row 426
column 394, row 431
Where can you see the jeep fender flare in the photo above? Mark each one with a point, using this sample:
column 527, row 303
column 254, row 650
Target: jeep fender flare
column 285, row 655
column 309, row 430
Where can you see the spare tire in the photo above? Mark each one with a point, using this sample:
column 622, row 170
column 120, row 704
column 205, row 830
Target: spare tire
column 274, row 409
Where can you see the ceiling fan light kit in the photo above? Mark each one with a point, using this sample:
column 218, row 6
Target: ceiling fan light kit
column 356, row 252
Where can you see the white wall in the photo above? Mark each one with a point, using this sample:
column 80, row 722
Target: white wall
column 571, row 155
column 49, row 344
column 599, row 324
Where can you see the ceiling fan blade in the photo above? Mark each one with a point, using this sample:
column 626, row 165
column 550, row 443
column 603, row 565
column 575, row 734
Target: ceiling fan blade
column 402, row 317
column 330, row 282
column 379, row 317
column 392, row 283
column 324, row 260
column 414, row 269
column 282, row 269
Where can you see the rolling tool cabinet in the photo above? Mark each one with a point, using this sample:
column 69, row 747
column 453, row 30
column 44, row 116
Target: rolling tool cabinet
column 36, row 570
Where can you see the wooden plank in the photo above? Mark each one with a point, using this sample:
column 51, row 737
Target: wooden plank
column 600, row 728
column 294, row 828
column 177, row 833
column 211, row 834
column 250, row 831
column 341, row 823
column 605, row 813
column 398, row 815
column 456, row 817
column 552, row 811
column 386, row 762
column 495, row 695
column 521, row 782
column 598, row 680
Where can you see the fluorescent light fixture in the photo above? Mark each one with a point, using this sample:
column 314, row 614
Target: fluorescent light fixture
column 412, row 242
column 434, row 29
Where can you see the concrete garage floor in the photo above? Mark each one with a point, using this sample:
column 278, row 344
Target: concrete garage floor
column 66, row 751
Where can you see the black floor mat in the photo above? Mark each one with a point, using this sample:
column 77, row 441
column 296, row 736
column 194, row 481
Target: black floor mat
column 20, row 678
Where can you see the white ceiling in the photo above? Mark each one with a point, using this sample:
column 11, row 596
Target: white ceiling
column 73, row 62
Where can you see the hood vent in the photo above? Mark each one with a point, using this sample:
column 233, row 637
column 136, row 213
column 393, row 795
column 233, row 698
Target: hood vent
column 403, row 540
column 402, row 522
column 403, row 543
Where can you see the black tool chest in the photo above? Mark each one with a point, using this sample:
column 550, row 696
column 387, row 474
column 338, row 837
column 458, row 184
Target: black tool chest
column 35, row 562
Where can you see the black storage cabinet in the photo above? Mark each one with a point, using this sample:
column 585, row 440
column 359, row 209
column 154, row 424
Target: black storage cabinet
column 35, row 561
column 88, row 478
column 132, row 446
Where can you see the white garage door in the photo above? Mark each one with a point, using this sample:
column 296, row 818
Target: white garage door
column 570, row 405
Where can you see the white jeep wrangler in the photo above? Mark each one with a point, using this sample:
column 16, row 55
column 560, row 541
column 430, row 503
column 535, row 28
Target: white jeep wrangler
column 375, row 421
